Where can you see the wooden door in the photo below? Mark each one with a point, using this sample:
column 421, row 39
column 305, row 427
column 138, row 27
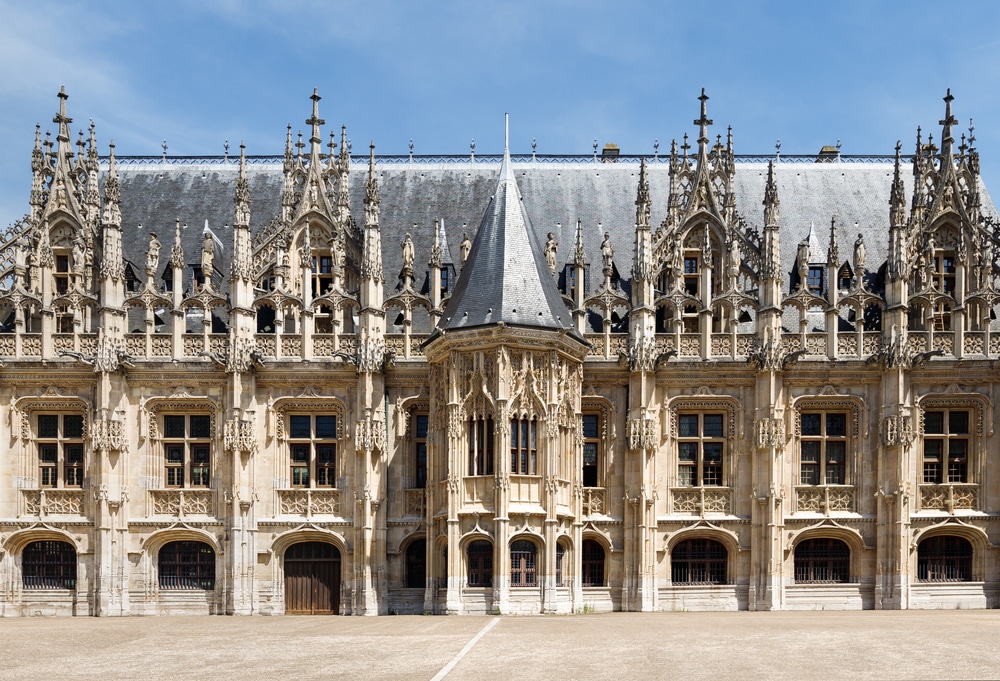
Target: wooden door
column 312, row 579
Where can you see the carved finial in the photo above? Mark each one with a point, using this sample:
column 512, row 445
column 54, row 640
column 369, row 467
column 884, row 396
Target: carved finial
column 112, row 193
column 164, row 146
column 833, row 252
column 225, row 149
column 579, row 255
column 177, row 252
column 656, row 148
column 642, row 198
column 703, row 121
column 534, row 146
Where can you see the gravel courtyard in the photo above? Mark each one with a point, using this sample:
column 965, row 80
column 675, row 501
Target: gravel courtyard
column 777, row 645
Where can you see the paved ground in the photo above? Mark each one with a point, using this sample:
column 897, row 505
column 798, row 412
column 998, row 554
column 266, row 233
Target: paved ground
column 781, row 645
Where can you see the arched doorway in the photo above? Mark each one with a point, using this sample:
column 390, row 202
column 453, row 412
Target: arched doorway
column 312, row 579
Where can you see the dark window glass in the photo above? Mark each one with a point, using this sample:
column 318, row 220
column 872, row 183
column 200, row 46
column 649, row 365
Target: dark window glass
column 590, row 425
column 300, row 426
column 812, row 424
column 72, row 426
column 48, row 425
column 173, row 426
column 201, row 426
column 421, row 425
column 326, row 427
column 687, row 425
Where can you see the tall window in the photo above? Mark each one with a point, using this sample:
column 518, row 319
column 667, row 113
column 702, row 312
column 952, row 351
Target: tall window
column 480, row 560
column 944, row 559
column 591, row 450
column 416, row 564
column 522, row 563
column 946, row 445
column 698, row 561
column 48, row 565
column 60, row 450
column 560, row 554
column 822, row 561
column 481, row 446
column 313, row 448
column 823, row 448
column 187, row 565
column 700, row 447
column 420, row 451
column 523, row 446
column 593, row 563
column 187, row 449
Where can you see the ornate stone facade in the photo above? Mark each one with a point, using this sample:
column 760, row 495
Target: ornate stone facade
column 697, row 405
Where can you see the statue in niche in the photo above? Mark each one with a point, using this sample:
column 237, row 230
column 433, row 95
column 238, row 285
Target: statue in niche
column 407, row 246
column 802, row 260
column 153, row 255
column 860, row 254
column 676, row 262
column 463, row 250
column 735, row 258
column 207, row 257
column 79, row 253
column 551, row 248
column 607, row 254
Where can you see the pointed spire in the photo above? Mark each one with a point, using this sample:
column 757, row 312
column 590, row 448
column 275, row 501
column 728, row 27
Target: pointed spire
column 947, row 140
column 897, row 197
column 64, row 121
column 177, row 252
column 288, row 149
column 506, row 278
column 315, row 122
column 833, row 253
column 642, row 198
column 371, row 265
column 703, row 122
column 241, row 201
column 112, row 192
column 436, row 261
column 771, row 266
column 579, row 255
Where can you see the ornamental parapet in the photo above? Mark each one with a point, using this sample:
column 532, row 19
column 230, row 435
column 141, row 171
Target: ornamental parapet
column 309, row 502
column 182, row 502
column 44, row 502
column 700, row 501
column 949, row 498
column 825, row 499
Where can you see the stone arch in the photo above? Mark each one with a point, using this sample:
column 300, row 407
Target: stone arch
column 16, row 541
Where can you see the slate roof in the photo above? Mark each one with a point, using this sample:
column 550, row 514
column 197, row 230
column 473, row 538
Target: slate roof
column 506, row 278
column 554, row 195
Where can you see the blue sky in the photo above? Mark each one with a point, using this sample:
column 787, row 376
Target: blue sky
column 444, row 72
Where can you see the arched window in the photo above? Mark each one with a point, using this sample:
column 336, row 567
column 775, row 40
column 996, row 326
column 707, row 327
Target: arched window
column 822, row 561
column 560, row 554
column 593, row 563
column 523, row 446
column 187, row 565
column 480, row 558
column 944, row 559
column 522, row 563
column 416, row 564
column 698, row 561
column 48, row 565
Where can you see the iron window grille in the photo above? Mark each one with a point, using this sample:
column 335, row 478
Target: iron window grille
column 187, row 566
column 944, row 559
column 822, row 561
column 523, row 554
column 698, row 561
column 48, row 565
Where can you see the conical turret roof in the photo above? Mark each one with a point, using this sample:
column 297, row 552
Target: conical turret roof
column 506, row 278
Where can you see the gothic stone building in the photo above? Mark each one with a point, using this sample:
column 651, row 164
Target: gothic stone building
column 372, row 385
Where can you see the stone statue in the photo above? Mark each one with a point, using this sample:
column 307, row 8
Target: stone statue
column 607, row 254
column 152, row 255
column 860, row 253
column 929, row 263
column 551, row 247
column 735, row 258
column 407, row 245
column 676, row 261
column 208, row 258
column 79, row 251
column 463, row 250
column 337, row 253
column 802, row 260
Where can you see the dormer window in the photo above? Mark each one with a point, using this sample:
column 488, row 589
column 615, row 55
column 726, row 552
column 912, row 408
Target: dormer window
column 844, row 277
column 815, row 279
column 444, row 279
